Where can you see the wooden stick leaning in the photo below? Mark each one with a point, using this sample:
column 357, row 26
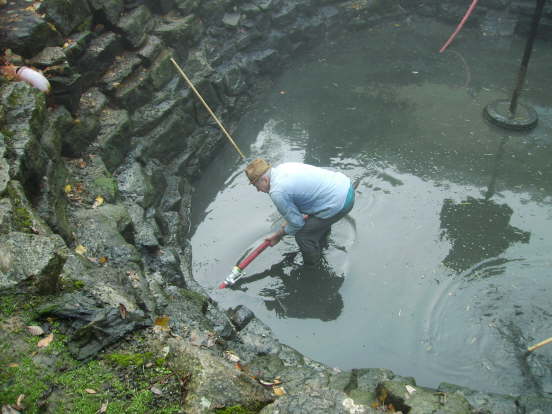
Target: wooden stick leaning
column 542, row 343
column 190, row 84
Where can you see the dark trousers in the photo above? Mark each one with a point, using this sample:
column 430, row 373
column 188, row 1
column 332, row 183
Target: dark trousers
column 310, row 237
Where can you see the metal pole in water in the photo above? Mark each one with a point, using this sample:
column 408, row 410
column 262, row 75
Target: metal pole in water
column 526, row 56
column 511, row 115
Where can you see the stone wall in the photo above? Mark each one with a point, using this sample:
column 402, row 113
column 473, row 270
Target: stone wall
column 96, row 180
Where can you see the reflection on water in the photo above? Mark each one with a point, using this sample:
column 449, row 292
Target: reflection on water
column 287, row 299
column 443, row 267
column 478, row 230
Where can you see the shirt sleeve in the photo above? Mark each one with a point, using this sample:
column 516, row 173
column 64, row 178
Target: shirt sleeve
column 289, row 211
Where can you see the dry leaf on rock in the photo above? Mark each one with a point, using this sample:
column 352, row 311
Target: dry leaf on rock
column 35, row 330
column 44, row 342
column 279, row 391
column 80, row 249
column 231, row 356
column 123, row 311
column 162, row 322
column 98, row 202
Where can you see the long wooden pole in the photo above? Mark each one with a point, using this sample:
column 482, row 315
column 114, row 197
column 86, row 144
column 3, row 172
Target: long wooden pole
column 542, row 343
column 192, row 87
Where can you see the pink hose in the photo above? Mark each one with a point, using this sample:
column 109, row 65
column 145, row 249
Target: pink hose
column 460, row 25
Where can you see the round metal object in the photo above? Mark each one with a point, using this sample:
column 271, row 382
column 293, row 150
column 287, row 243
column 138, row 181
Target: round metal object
column 499, row 114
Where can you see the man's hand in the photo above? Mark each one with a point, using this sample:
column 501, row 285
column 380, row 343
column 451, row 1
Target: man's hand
column 274, row 238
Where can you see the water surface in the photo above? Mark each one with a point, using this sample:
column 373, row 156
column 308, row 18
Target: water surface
column 442, row 271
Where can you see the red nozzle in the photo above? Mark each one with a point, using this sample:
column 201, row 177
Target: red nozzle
column 223, row 285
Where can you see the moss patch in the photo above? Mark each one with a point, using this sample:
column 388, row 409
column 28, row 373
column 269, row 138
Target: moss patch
column 107, row 187
column 235, row 409
column 52, row 381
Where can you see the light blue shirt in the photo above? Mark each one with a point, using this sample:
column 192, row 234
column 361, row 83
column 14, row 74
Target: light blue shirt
column 297, row 189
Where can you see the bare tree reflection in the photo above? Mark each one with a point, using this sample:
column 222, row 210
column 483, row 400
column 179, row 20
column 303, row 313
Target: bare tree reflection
column 479, row 229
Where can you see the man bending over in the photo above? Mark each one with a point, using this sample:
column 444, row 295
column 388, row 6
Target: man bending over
column 309, row 198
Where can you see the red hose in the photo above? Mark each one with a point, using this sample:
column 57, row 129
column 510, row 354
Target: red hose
column 243, row 264
column 460, row 25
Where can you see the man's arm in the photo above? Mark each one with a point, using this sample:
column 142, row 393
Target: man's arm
column 294, row 218
column 274, row 238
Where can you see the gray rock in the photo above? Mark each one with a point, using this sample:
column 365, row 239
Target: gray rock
column 231, row 19
column 25, row 111
column 112, row 142
column 135, row 25
column 124, row 65
column 24, row 31
column 5, row 216
column 135, row 91
column 324, row 401
column 31, row 259
column 101, row 231
column 86, row 124
column 180, row 32
column 135, row 184
column 49, row 56
column 24, row 219
column 111, row 9
column 151, row 49
column 258, row 338
column 240, row 316
column 93, row 325
column 167, row 139
column 98, row 56
column 404, row 395
column 146, row 231
column 4, row 167
column 66, row 16
column 214, row 381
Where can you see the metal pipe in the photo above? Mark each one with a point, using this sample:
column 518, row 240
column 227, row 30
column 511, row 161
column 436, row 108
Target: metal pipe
column 526, row 56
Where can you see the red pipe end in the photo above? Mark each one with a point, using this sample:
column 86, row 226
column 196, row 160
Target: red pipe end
column 223, row 285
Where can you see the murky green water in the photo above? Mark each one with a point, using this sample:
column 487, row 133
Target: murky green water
column 443, row 270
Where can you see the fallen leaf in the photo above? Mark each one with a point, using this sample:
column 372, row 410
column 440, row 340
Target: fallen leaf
column 43, row 343
column 123, row 311
column 68, row 188
column 279, row 391
column 35, row 330
column 13, row 365
column 80, row 249
column 163, row 322
column 98, row 202
column 103, row 408
column 90, row 391
column 103, row 260
column 18, row 404
column 231, row 356
column 156, row 390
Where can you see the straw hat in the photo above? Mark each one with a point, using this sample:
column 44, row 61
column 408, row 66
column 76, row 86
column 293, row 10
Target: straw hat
column 256, row 169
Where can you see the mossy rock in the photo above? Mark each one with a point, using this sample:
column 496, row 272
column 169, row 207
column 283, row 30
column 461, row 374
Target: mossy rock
column 24, row 218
